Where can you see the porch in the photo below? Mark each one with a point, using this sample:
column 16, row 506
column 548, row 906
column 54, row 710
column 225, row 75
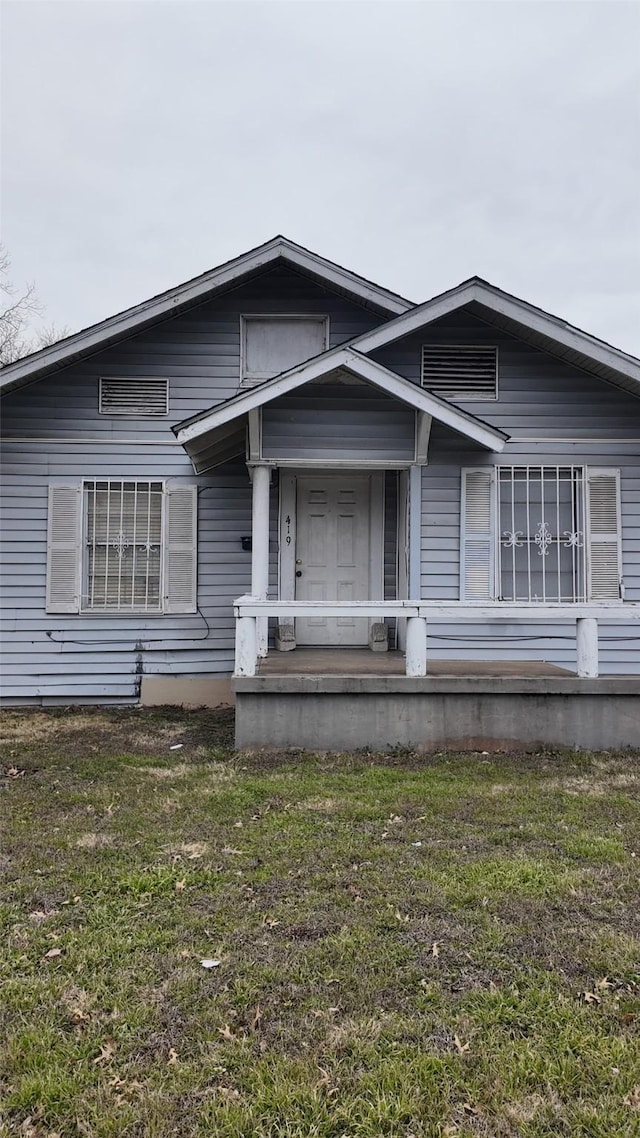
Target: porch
column 416, row 620
column 370, row 498
column 337, row 699
column 364, row 662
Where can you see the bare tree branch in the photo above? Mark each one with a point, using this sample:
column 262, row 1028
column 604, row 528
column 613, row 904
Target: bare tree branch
column 17, row 311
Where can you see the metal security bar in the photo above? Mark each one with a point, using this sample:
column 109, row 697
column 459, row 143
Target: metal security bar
column 123, row 528
column 541, row 546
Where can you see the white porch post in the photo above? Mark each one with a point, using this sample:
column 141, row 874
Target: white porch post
column 416, row 653
column 587, row 646
column 246, row 646
column 260, row 548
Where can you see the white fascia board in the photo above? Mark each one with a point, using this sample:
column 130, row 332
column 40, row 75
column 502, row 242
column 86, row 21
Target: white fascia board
column 127, row 322
column 512, row 308
column 263, row 393
column 342, row 278
column 565, row 334
column 415, row 319
column 422, row 400
column 387, row 381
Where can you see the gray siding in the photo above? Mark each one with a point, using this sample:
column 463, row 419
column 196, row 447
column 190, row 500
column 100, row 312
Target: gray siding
column 338, row 421
column 538, row 395
column 52, row 430
column 104, row 655
column 199, row 352
column 554, row 413
column 619, row 643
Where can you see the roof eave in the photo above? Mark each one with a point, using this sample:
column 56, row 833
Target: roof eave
column 367, row 369
column 556, row 331
column 170, row 303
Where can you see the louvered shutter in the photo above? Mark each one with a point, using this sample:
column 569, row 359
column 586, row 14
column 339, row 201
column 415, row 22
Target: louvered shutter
column 476, row 536
column 603, row 528
column 180, row 549
column 64, row 547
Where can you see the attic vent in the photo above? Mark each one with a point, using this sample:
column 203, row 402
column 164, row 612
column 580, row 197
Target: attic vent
column 139, row 398
column 460, row 372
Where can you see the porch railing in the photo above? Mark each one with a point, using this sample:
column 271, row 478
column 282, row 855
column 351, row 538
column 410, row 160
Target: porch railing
column 419, row 614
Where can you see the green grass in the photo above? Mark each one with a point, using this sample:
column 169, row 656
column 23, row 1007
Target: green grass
column 408, row 946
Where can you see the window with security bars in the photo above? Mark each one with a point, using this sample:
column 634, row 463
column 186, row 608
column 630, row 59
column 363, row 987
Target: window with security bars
column 547, row 534
column 123, row 536
column 541, row 547
column 460, row 371
column 122, row 545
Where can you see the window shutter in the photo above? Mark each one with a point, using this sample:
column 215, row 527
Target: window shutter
column 180, row 549
column 476, row 535
column 604, row 530
column 64, row 547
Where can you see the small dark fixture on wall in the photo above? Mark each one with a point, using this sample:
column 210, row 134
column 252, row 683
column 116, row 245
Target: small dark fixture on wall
column 246, row 543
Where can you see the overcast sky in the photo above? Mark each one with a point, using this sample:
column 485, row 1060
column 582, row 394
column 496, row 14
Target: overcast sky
column 415, row 143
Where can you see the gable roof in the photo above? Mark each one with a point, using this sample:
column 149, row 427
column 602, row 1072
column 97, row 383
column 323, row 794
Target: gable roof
column 541, row 329
column 220, row 417
column 534, row 325
column 183, row 296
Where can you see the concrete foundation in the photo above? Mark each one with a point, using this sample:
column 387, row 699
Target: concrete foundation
column 340, row 713
column 160, row 691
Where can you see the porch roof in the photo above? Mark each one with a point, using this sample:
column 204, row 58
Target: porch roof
column 222, row 427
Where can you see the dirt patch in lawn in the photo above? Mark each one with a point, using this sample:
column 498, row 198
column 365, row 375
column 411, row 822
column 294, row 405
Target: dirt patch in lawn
column 92, row 841
column 82, row 732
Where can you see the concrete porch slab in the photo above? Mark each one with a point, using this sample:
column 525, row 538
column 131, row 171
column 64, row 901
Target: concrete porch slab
column 363, row 662
column 508, row 706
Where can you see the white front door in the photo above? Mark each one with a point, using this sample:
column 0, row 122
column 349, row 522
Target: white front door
column 333, row 554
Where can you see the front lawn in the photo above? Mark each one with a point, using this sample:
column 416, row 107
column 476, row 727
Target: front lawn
column 398, row 945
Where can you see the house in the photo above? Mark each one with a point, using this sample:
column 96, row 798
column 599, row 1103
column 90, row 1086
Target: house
column 374, row 521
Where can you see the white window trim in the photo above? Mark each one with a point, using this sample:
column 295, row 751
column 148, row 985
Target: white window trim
column 462, row 348
column 588, row 470
column 109, row 413
column 112, row 610
column 67, row 532
column 580, row 570
column 283, row 317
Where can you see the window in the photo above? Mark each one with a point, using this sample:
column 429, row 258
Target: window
column 273, row 344
column 137, row 398
column 121, row 546
column 541, row 525
column 464, row 372
column 541, row 534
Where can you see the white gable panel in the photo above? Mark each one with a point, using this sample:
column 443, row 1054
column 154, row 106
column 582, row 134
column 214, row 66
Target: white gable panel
column 272, row 345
